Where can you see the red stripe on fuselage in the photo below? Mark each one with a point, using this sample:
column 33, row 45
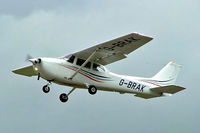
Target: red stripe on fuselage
column 84, row 75
column 153, row 83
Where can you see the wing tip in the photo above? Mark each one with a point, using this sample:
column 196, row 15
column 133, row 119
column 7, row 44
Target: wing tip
column 15, row 71
column 140, row 34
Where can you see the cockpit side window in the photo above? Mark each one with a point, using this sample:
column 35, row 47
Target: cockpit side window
column 81, row 61
column 88, row 65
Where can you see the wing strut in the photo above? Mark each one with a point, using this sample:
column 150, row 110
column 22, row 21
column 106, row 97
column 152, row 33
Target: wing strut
column 84, row 64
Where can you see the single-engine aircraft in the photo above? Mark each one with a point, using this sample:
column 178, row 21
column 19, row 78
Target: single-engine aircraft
column 86, row 70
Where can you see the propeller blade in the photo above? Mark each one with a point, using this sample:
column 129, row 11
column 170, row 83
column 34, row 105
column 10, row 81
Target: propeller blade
column 28, row 57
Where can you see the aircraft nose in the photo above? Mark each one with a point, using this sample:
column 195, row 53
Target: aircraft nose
column 35, row 61
column 32, row 60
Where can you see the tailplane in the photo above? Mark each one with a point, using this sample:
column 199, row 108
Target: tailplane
column 168, row 74
column 164, row 81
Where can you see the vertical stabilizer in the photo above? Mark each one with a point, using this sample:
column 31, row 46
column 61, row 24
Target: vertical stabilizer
column 168, row 74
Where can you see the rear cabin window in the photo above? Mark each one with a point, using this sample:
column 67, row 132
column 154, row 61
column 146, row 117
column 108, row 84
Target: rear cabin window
column 95, row 67
column 80, row 62
column 99, row 68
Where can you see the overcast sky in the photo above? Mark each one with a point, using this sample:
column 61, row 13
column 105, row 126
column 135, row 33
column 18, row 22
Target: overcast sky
column 52, row 28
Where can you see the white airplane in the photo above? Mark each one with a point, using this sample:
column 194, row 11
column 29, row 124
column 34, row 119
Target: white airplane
column 85, row 70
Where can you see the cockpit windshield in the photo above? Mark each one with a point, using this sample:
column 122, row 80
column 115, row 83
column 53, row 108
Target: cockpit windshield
column 70, row 58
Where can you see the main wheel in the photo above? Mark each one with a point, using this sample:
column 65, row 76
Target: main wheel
column 63, row 97
column 92, row 90
column 46, row 89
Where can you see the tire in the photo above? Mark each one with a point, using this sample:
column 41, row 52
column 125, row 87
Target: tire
column 46, row 89
column 63, row 97
column 92, row 90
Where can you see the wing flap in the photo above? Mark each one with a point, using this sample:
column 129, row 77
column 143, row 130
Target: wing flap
column 112, row 58
column 168, row 89
column 25, row 71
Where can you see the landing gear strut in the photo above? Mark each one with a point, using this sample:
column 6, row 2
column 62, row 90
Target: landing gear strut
column 64, row 97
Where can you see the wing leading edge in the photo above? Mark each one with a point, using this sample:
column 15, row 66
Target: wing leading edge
column 114, row 50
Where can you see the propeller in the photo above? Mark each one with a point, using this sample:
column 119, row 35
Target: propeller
column 33, row 60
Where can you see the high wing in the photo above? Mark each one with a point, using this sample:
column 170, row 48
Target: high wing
column 114, row 50
column 26, row 71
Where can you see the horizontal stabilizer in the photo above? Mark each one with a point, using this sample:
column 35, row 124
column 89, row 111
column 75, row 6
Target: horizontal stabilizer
column 26, row 71
column 168, row 89
column 145, row 96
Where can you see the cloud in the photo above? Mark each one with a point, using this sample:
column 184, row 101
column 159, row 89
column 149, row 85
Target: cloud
column 22, row 8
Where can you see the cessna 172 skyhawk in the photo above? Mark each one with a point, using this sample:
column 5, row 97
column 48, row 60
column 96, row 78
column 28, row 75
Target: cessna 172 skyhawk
column 85, row 69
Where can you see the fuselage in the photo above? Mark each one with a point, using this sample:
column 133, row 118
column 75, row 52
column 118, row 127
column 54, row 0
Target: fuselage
column 59, row 70
column 85, row 69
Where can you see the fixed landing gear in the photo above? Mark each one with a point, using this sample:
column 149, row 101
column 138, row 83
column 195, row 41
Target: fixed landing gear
column 46, row 88
column 92, row 89
column 64, row 97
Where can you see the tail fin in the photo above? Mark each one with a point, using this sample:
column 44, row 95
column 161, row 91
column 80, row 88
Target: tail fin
column 168, row 74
